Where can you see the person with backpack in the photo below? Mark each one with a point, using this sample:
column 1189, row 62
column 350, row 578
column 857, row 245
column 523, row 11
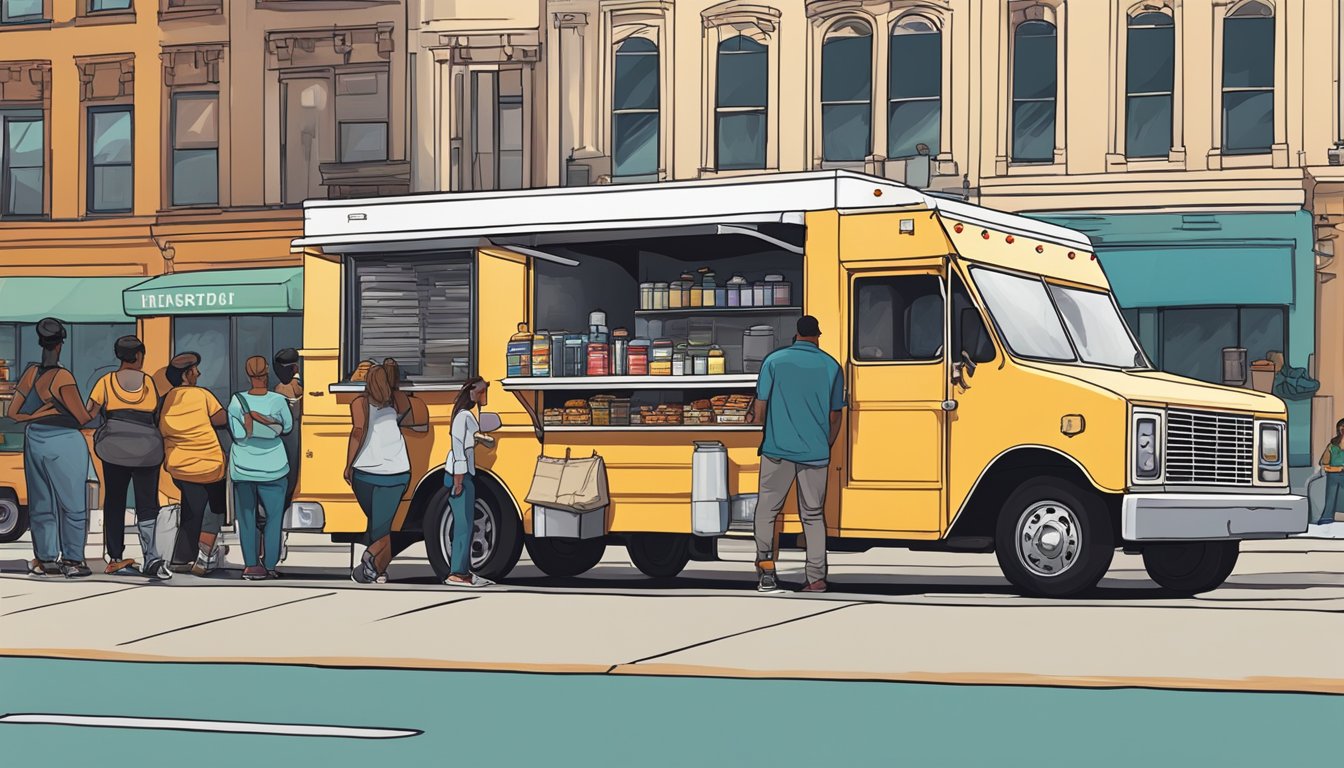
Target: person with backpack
column 259, row 468
column 194, row 460
column 131, row 450
column 55, row 458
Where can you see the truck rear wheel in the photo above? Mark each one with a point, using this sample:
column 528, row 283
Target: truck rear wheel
column 659, row 555
column 13, row 518
column 1190, row 567
column 1053, row 538
column 563, row 558
column 496, row 538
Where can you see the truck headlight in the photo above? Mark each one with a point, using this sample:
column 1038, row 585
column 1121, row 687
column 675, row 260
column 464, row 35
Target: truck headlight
column 1147, row 450
column 1270, row 455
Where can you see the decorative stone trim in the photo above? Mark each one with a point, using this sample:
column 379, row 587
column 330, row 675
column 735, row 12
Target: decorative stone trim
column 192, row 65
column 106, row 78
column 330, row 47
column 25, row 83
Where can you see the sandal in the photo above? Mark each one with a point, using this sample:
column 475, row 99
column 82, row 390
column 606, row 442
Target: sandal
column 43, row 568
column 123, row 567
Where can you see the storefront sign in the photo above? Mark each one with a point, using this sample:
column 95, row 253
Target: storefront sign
column 187, row 300
column 273, row 290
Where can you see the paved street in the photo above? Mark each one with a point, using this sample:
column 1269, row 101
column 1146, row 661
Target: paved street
column 894, row 615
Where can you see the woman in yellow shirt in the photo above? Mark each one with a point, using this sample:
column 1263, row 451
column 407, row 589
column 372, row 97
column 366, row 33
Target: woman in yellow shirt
column 130, row 448
column 194, row 459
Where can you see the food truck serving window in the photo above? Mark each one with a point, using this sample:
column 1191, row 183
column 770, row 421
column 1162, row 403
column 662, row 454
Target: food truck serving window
column 416, row 310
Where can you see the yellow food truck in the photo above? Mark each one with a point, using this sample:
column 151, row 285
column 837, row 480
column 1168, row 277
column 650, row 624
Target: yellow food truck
column 996, row 399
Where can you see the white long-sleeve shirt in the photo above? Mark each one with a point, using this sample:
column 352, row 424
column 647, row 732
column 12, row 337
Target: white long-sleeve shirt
column 462, row 459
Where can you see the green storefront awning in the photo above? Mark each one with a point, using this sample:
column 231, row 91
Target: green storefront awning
column 68, row 299
column 270, row 291
column 1199, row 276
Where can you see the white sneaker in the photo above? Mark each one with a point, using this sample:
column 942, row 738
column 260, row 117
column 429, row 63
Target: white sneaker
column 475, row 582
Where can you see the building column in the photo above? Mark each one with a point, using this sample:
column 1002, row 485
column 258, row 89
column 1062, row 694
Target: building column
column 577, row 99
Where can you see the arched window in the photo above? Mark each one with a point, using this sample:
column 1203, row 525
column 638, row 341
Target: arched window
column 634, row 114
column 847, row 92
column 1150, row 64
column 1248, row 79
column 914, row 87
column 1035, row 89
column 740, row 103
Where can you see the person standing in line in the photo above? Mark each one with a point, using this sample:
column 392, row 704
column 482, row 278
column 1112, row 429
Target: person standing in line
column 377, row 468
column 194, row 460
column 131, row 449
column 461, row 478
column 259, row 468
column 1332, row 464
column 291, row 388
column 800, row 395
column 55, row 459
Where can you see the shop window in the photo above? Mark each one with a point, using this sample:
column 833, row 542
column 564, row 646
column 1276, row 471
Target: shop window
column 847, row 92
column 418, row 312
column 110, row 174
column 741, row 102
column 225, row 343
column 1192, row 339
column 1248, row 79
column 914, row 87
column 87, row 351
column 331, row 116
column 195, row 163
column 898, row 319
column 635, row 109
column 22, row 11
column 22, row 163
column 1035, row 84
column 1150, row 64
column 497, row 135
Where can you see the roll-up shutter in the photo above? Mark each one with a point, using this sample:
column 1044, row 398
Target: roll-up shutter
column 417, row 311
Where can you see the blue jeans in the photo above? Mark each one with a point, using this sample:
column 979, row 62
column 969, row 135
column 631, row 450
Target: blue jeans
column 464, row 512
column 247, row 496
column 56, row 468
column 1334, row 490
column 379, row 496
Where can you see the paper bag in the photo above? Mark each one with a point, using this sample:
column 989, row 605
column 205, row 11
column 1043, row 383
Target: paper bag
column 577, row 485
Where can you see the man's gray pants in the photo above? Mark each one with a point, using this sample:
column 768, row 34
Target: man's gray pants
column 777, row 475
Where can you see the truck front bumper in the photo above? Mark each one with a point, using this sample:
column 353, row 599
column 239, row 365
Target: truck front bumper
column 1195, row 516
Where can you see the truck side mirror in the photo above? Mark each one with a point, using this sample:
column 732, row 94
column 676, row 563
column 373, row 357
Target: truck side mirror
column 975, row 344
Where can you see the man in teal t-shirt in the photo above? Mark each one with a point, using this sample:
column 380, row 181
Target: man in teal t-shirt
column 799, row 397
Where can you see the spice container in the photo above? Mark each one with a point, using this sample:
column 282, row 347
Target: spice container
column 735, row 285
column 620, row 347
column 519, row 361
column 679, row 361
column 708, row 287
column 660, row 357
column 762, row 294
column 637, row 358
column 780, row 290
column 646, row 295
column 660, row 296
column 699, row 362
column 676, row 297
column 748, row 295
column 716, row 365
column 599, row 359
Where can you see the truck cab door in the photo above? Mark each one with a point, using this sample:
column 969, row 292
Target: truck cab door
column 897, row 382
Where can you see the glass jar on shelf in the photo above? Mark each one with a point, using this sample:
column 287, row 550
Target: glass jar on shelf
column 734, row 293
column 646, row 295
column 779, row 290
column 717, row 363
column 676, row 295
column 661, row 296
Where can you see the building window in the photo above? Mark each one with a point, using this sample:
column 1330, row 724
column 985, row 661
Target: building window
column 635, row 115
column 1190, row 340
column 195, row 162
column 418, row 311
column 740, row 103
column 846, row 92
column 361, row 116
column 225, row 343
column 1035, row 90
column 1248, row 80
column 110, row 175
column 22, row 163
column 22, row 11
column 898, row 318
column 330, row 116
column 87, row 352
column 914, row 87
column 496, row 116
column 99, row 6
column 1150, row 64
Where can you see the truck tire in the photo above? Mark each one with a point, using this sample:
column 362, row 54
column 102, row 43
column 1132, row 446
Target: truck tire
column 659, row 555
column 1054, row 538
column 497, row 540
column 1190, row 567
column 13, row 518
column 564, row 558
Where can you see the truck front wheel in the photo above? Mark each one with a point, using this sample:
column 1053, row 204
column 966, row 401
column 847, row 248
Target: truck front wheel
column 1190, row 567
column 13, row 518
column 496, row 538
column 659, row 555
column 1054, row 538
column 564, row 558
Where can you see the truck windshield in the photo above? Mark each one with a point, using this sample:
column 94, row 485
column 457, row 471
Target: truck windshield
column 1058, row 323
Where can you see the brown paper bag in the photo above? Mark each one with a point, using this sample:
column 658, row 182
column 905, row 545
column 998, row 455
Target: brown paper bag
column 577, row 485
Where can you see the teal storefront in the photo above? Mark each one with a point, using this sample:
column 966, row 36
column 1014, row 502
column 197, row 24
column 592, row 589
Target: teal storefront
column 1194, row 284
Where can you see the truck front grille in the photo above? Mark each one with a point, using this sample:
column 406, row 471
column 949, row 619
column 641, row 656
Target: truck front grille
column 1209, row 448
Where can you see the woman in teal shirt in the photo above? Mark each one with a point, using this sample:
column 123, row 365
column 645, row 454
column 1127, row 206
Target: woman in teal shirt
column 259, row 467
column 1332, row 461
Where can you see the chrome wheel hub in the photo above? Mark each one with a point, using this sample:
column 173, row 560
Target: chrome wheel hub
column 483, row 534
column 9, row 516
column 1048, row 538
